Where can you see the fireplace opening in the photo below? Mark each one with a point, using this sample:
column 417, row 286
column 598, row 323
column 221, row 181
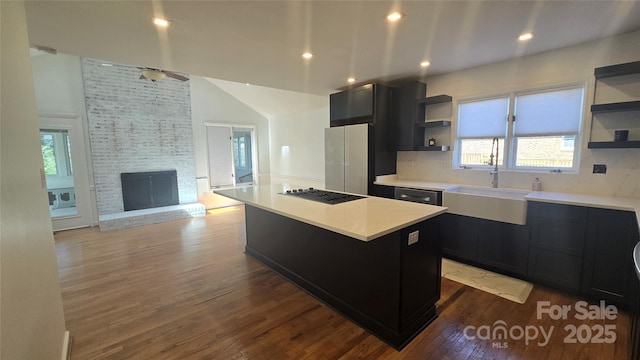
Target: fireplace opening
column 144, row 190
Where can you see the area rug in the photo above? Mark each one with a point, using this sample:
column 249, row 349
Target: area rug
column 500, row 285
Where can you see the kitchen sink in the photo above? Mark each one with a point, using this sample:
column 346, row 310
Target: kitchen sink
column 499, row 204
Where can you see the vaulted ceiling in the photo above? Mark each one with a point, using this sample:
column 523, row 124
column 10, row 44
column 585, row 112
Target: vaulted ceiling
column 261, row 42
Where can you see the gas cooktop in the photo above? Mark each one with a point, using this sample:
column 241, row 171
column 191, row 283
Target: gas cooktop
column 323, row 196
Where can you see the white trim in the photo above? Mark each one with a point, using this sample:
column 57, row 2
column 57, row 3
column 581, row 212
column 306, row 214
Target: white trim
column 254, row 150
column 66, row 346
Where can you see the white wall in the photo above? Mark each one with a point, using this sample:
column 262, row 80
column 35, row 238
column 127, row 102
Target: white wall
column 572, row 64
column 60, row 93
column 297, row 147
column 31, row 314
column 210, row 104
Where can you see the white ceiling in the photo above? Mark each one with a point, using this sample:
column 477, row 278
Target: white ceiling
column 261, row 42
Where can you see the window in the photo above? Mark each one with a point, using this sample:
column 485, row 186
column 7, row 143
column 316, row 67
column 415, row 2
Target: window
column 545, row 129
column 542, row 133
column 479, row 122
column 56, row 152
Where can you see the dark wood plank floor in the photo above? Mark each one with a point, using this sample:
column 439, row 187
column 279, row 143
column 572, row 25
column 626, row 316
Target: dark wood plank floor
column 186, row 290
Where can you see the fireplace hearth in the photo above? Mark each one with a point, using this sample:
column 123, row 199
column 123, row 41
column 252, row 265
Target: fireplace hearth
column 145, row 190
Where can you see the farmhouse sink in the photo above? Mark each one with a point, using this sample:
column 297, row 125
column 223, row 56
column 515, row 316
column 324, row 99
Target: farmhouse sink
column 506, row 205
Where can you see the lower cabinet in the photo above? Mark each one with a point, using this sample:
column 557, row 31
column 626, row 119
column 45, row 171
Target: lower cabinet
column 557, row 241
column 608, row 261
column 494, row 244
column 460, row 237
column 504, row 246
column 585, row 251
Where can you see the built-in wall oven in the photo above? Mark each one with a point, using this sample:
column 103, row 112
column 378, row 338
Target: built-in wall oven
column 431, row 197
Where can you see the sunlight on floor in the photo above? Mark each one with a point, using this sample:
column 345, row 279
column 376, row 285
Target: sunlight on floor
column 223, row 210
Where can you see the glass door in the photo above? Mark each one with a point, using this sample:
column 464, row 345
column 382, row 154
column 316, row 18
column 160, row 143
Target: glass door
column 58, row 168
column 242, row 159
column 65, row 168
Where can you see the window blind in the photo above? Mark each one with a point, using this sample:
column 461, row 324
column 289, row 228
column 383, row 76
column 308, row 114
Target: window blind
column 483, row 119
column 549, row 113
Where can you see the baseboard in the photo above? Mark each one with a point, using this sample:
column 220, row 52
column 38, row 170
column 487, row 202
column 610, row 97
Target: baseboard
column 66, row 346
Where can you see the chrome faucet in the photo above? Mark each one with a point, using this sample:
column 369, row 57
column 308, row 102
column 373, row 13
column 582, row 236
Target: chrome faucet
column 494, row 172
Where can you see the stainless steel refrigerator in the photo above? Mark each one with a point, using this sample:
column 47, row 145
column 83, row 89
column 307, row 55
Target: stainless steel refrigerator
column 347, row 159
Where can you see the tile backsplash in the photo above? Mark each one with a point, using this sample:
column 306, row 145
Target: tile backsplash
column 622, row 178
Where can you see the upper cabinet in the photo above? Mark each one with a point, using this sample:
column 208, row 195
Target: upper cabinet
column 616, row 107
column 417, row 120
column 368, row 103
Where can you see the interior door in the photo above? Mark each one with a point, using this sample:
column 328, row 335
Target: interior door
column 220, row 154
column 65, row 166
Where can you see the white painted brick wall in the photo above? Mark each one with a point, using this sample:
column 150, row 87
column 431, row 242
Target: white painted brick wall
column 137, row 125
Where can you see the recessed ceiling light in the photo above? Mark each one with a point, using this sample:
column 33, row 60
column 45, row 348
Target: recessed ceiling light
column 425, row 63
column 247, row 84
column 526, row 36
column 160, row 22
column 351, row 80
column 395, row 16
column 307, row 55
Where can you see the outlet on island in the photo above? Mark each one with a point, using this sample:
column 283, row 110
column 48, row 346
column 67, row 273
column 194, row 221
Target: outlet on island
column 599, row 168
column 413, row 237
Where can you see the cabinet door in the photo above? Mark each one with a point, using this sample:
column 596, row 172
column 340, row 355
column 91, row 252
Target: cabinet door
column 460, row 237
column 504, row 246
column 555, row 269
column 421, row 271
column 608, row 262
column 405, row 114
column 557, row 243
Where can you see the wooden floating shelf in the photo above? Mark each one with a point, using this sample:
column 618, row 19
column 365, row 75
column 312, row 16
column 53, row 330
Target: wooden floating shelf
column 613, row 144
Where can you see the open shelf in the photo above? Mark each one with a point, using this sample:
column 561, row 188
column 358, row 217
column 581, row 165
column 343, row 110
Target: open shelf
column 617, row 70
column 434, row 124
column 433, row 148
column 438, row 99
column 615, row 107
column 613, row 144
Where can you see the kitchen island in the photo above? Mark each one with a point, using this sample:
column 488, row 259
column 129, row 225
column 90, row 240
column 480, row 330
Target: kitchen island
column 377, row 261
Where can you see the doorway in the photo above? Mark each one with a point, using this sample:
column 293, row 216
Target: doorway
column 65, row 168
column 231, row 152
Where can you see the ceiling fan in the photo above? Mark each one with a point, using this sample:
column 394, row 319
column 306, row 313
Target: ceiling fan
column 157, row 74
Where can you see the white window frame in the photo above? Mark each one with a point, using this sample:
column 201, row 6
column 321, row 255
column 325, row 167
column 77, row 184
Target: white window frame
column 457, row 153
column 510, row 140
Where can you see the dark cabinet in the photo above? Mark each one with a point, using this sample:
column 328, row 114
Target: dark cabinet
column 421, row 270
column 557, row 239
column 350, row 106
column 504, row 246
column 608, row 265
column 494, row 244
column 460, row 237
column 406, row 112
column 408, row 120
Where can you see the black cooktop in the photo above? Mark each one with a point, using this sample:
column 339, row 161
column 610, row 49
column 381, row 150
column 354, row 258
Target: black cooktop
column 323, row 196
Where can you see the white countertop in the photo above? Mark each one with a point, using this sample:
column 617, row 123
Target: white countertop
column 363, row 219
column 604, row 202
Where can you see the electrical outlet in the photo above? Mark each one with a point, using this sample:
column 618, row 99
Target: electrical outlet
column 599, row 168
column 413, row 237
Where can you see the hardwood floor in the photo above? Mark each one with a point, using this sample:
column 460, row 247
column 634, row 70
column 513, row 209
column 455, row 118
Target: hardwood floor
column 186, row 290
